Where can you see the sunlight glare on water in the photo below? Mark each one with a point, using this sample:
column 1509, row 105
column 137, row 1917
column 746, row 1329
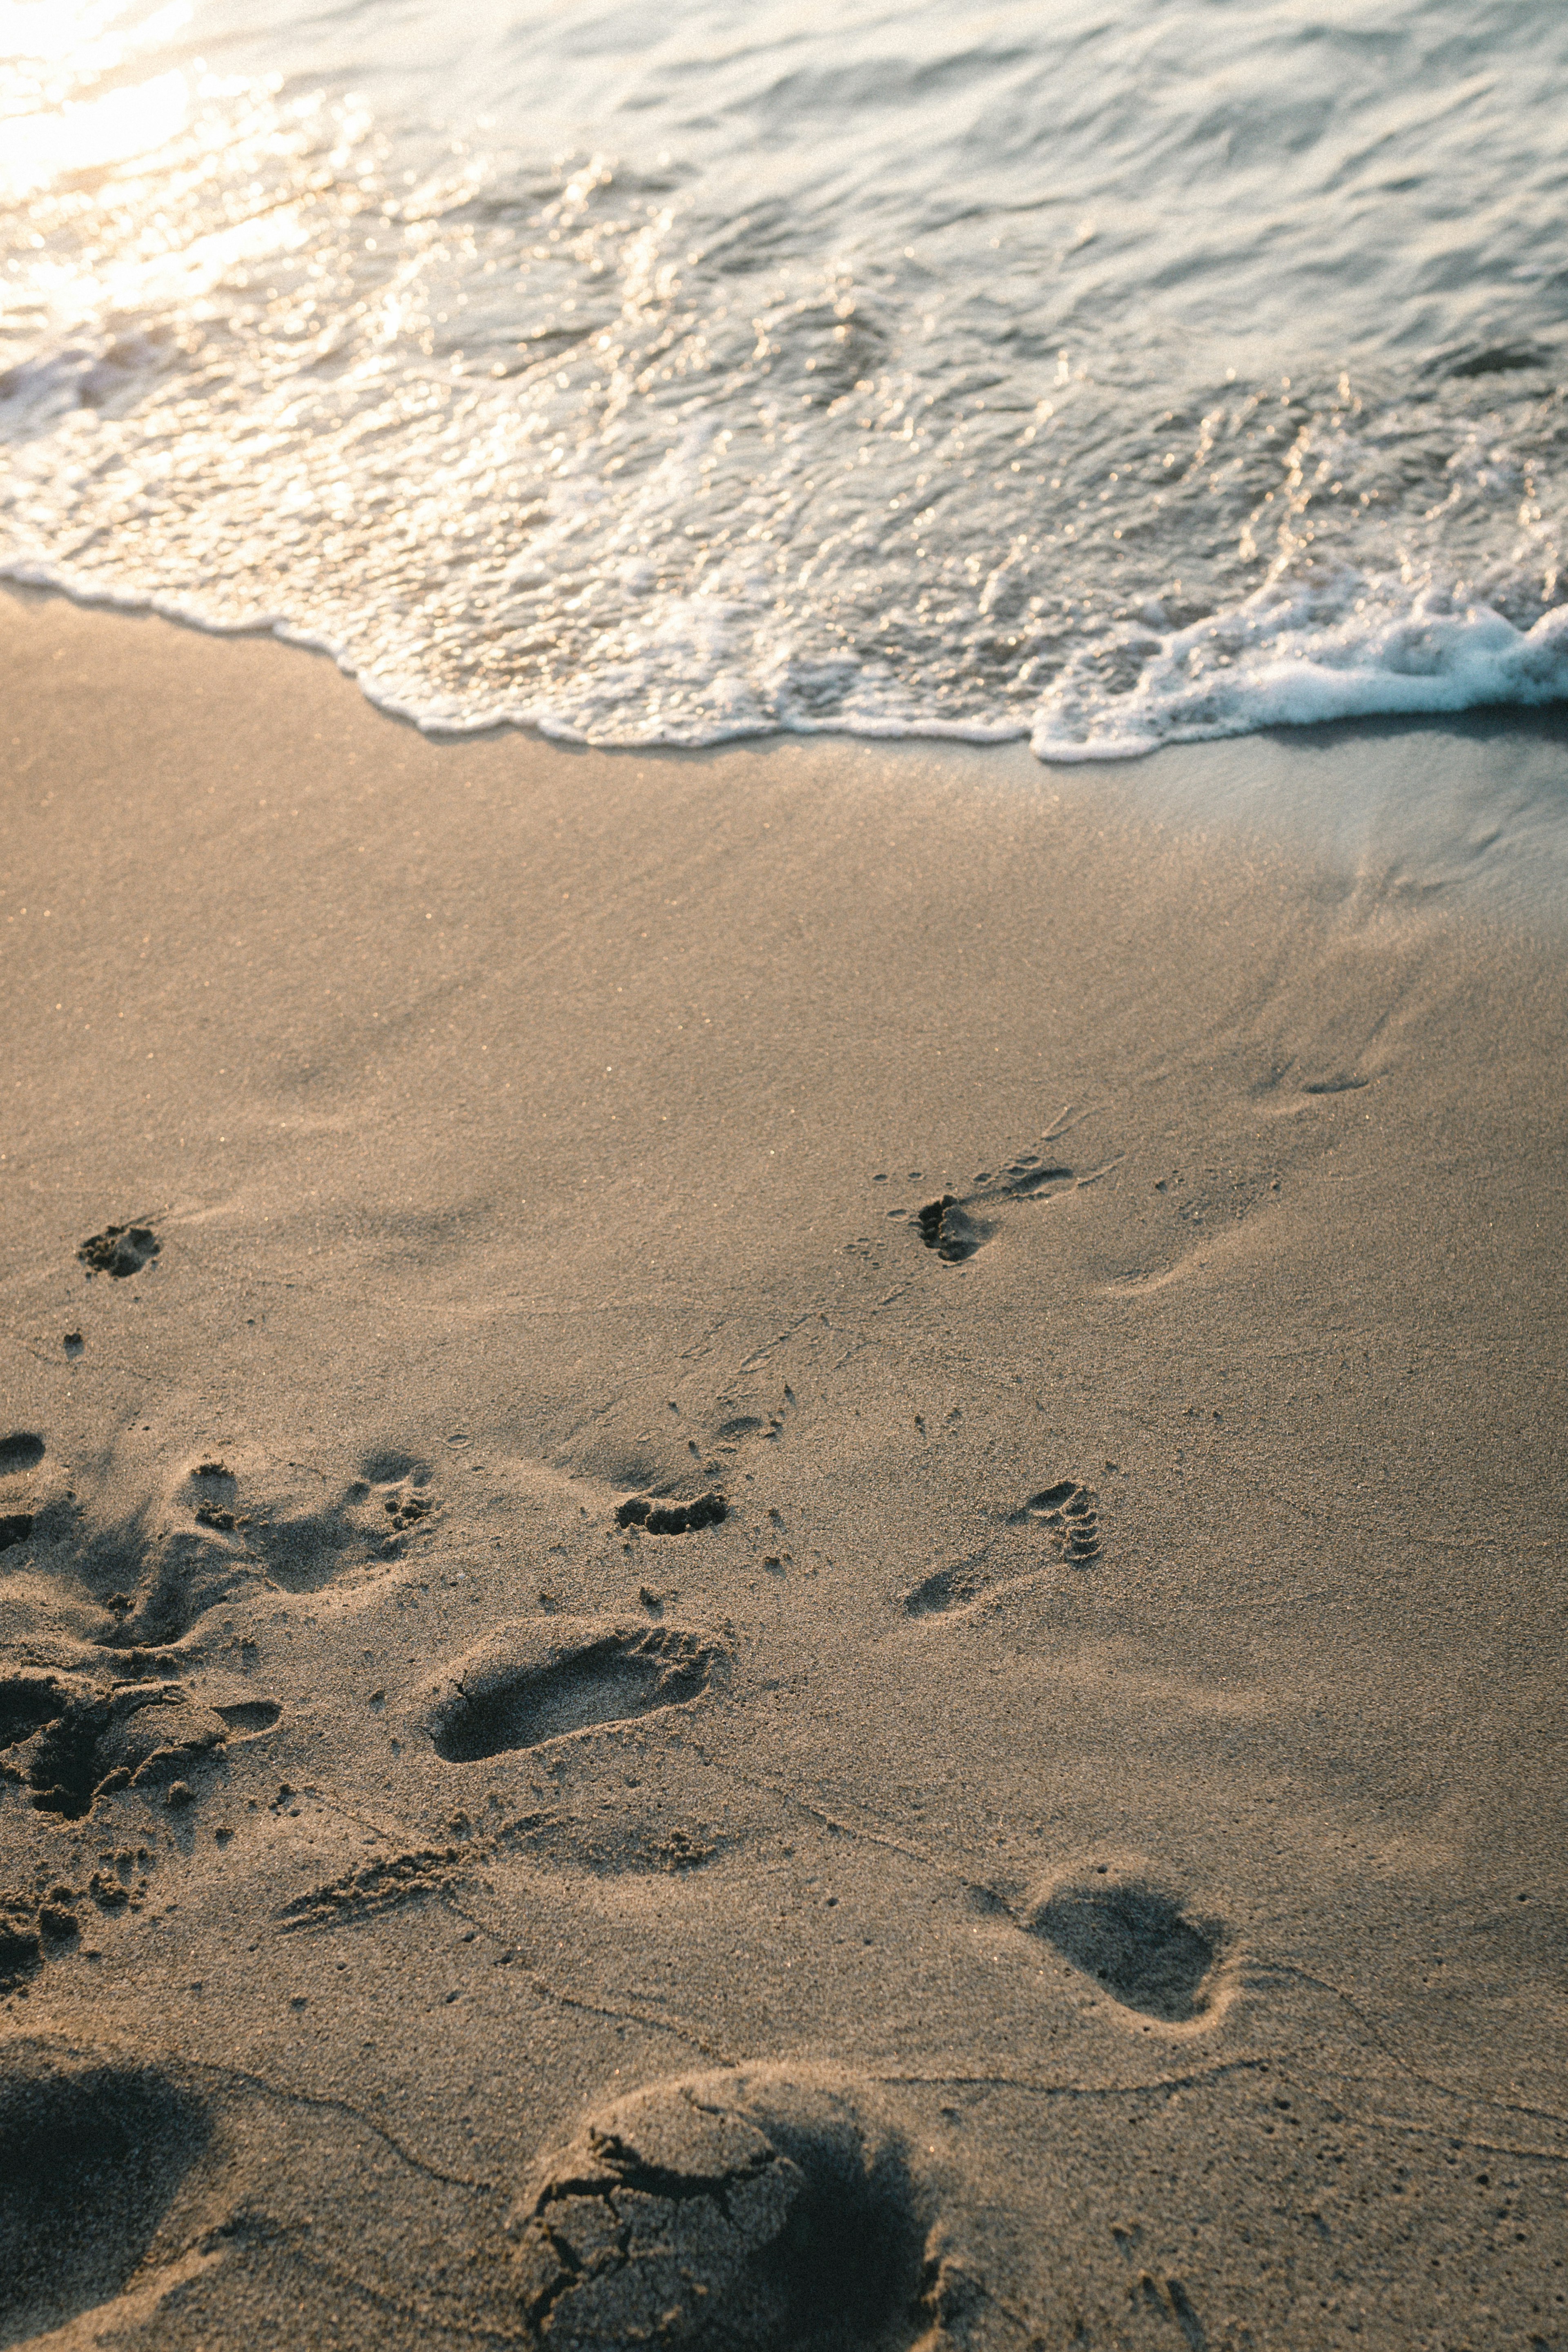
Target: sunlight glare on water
column 934, row 368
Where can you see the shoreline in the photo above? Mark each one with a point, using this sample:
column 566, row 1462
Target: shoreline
column 525, row 1127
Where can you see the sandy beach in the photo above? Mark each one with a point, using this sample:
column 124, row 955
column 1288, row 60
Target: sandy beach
column 788, row 1573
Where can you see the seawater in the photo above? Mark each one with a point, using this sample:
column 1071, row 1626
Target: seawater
column 1106, row 375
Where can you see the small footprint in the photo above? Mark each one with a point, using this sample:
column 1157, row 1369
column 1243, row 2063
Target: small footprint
column 656, row 1519
column 945, row 1226
column 1133, row 1937
column 120, row 1250
column 22, row 1450
column 612, row 1677
column 1069, row 1516
column 948, row 1224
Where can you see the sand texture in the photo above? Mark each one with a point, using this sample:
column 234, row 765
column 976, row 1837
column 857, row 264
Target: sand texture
column 782, row 1534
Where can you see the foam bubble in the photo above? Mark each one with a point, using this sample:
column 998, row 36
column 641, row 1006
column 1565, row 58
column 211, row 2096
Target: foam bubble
column 1349, row 649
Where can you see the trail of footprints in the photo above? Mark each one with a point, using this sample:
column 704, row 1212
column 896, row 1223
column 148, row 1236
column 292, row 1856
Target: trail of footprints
column 800, row 2221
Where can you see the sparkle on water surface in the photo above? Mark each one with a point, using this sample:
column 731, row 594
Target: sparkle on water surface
column 669, row 375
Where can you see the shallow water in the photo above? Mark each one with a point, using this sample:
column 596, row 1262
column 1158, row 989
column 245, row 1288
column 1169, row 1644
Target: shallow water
column 1166, row 371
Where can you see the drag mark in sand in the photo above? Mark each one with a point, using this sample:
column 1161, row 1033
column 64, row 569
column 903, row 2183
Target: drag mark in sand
column 380, row 1887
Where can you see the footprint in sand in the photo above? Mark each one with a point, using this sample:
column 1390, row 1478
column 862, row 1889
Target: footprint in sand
column 1133, row 1937
column 953, row 1586
column 948, row 1224
column 656, row 1517
column 92, row 2152
column 215, row 1529
column 69, row 1741
column 757, row 2211
column 19, row 1451
column 1067, row 1515
column 120, row 1251
column 518, row 1688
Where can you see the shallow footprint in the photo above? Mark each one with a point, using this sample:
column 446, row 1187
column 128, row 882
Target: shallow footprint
column 1068, row 1514
column 504, row 1702
column 1132, row 1936
column 763, row 2212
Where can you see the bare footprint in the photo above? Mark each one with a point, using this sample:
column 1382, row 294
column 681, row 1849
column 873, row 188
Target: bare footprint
column 67, row 1740
column 120, row 1251
column 517, row 1693
column 92, row 2150
column 948, row 1224
column 1134, row 1938
column 672, row 1519
column 945, row 1226
column 1067, row 1515
column 757, row 2211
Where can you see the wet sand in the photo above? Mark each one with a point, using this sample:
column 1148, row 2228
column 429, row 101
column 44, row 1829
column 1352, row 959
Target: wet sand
column 1088, row 1817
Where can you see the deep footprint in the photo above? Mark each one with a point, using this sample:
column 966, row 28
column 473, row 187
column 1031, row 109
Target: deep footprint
column 120, row 1250
column 83, row 1744
column 21, row 1450
column 1133, row 1938
column 611, row 1680
column 656, row 1519
column 750, row 2214
column 945, row 1226
column 91, row 2151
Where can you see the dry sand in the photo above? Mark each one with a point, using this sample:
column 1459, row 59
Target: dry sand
column 1074, row 1856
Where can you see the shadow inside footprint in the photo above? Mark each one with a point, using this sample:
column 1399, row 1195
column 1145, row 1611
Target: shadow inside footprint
column 611, row 1680
column 29, row 1701
column 144, row 1734
column 758, row 2216
column 1068, row 1514
column 1133, row 1938
column 90, row 2155
column 1030, row 1181
column 120, row 1250
column 945, row 1226
column 20, row 1450
column 953, row 1587
column 672, row 1519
